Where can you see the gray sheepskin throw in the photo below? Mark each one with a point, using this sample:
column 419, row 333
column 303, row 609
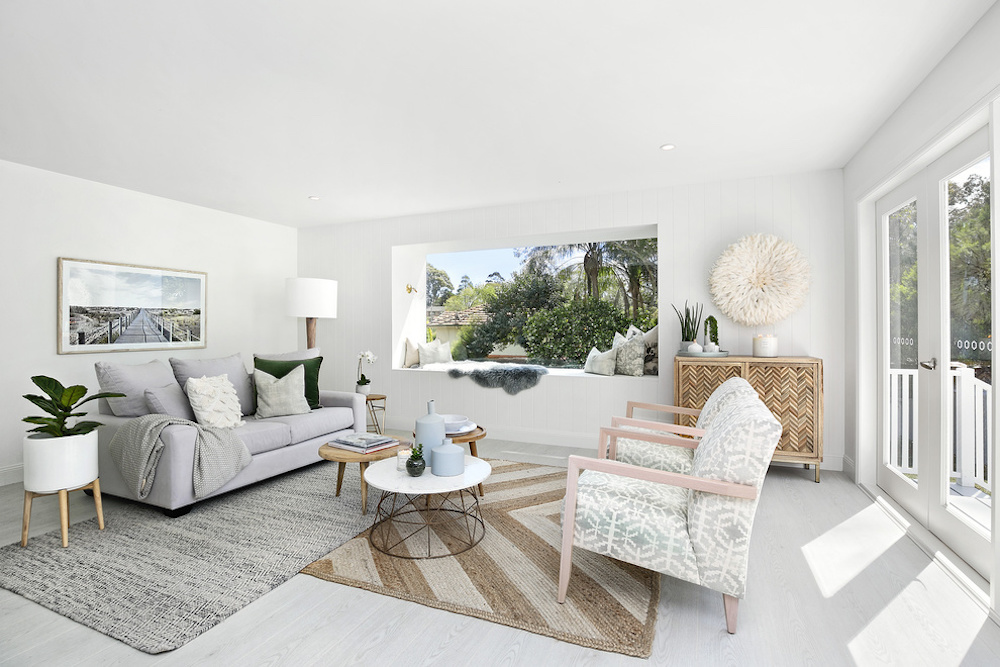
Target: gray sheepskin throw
column 509, row 377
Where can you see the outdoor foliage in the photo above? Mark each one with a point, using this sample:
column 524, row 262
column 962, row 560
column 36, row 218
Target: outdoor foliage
column 439, row 287
column 508, row 310
column 567, row 332
column 971, row 292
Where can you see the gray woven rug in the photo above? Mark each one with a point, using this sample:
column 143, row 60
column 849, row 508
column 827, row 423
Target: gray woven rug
column 157, row 583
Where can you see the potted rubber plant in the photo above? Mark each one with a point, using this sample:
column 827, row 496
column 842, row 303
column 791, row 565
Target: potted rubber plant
column 59, row 454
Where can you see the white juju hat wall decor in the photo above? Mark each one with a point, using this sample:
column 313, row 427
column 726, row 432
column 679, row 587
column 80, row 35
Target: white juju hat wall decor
column 759, row 280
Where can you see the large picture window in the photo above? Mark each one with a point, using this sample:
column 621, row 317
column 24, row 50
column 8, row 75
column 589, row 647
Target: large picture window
column 546, row 304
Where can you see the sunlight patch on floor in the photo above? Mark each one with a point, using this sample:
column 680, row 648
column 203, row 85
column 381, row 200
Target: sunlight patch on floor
column 931, row 622
column 843, row 552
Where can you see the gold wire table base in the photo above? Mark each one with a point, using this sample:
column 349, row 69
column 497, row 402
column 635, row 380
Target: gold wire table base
column 427, row 525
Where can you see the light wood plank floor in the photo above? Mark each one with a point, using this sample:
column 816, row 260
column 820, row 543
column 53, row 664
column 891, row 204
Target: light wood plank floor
column 832, row 581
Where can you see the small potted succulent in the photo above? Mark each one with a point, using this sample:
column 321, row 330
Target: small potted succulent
column 364, row 383
column 690, row 324
column 58, row 455
column 415, row 464
column 711, row 334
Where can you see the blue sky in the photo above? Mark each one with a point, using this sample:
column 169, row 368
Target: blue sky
column 477, row 264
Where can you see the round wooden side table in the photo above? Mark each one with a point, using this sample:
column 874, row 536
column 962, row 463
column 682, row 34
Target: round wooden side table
column 344, row 456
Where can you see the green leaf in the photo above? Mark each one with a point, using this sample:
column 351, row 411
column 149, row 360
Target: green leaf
column 45, row 404
column 47, row 421
column 73, row 394
column 83, row 427
column 103, row 394
column 51, row 387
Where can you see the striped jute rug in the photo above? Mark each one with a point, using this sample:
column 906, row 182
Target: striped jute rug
column 511, row 576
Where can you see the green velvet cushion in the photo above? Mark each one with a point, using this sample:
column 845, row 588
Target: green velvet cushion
column 279, row 369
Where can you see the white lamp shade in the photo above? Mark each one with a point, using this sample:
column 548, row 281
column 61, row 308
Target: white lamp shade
column 311, row 297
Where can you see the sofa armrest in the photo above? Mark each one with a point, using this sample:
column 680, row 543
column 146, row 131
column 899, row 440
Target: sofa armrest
column 347, row 399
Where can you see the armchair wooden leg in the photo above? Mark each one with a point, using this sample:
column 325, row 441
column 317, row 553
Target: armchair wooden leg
column 569, row 524
column 731, row 604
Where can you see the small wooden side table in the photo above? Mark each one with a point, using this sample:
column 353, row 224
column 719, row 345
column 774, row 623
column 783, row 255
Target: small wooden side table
column 63, row 494
column 343, row 456
column 472, row 437
column 376, row 406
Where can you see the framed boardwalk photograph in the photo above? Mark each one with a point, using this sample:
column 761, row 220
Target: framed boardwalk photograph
column 105, row 307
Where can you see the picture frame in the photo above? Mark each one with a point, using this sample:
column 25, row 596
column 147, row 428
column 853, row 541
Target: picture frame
column 109, row 307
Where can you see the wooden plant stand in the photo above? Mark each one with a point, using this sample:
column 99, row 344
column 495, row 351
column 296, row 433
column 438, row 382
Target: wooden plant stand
column 63, row 494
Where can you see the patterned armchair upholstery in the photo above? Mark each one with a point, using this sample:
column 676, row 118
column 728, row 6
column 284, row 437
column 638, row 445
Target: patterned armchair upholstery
column 692, row 525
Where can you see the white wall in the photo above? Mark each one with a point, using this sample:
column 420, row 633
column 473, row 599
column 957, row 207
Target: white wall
column 46, row 215
column 695, row 222
column 948, row 105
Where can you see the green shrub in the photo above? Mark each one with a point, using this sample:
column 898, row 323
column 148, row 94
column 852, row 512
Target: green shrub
column 567, row 332
column 508, row 310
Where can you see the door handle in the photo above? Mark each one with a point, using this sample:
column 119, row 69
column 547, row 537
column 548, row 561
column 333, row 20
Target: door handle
column 929, row 365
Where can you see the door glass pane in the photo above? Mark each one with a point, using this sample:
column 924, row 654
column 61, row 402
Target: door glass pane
column 971, row 375
column 901, row 445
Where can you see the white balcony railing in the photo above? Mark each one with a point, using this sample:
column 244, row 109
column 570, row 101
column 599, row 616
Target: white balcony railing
column 971, row 422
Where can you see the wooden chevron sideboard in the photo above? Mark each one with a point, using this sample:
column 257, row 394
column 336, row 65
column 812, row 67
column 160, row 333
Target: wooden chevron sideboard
column 791, row 387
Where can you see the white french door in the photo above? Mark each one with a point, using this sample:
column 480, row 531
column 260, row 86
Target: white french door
column 936, row 349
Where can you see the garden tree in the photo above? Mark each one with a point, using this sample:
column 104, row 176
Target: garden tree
column 588, row 256
column 494, row 277
column 439, row 286
column 508, row 309
column 470, row 297
column 903, row 287
column 464, row 283
column 970, row 245
column 634, row 263
column 567, row 332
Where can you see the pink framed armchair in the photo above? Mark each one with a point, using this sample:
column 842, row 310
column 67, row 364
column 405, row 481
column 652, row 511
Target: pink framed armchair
column 694, row 525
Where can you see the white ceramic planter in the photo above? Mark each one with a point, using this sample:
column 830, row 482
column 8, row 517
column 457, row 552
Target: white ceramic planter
column 363, row 388
column 51, row 464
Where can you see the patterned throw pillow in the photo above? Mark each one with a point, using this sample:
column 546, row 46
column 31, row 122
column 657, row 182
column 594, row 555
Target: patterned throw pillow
column 601, row 363
column 631, row 357
column 277, row 397
column 214, row 401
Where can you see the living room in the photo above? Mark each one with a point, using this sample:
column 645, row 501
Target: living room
column 72, row 187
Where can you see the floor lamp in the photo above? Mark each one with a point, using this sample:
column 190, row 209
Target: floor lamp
column 311, row 298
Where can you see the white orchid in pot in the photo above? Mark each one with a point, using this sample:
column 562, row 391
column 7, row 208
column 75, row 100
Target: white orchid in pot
column 364, row 383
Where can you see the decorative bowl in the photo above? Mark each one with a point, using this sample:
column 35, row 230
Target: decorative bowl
column 453, row 423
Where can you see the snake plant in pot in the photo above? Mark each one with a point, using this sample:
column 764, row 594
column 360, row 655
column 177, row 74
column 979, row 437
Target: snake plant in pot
column 690, row 324
column 57, row 454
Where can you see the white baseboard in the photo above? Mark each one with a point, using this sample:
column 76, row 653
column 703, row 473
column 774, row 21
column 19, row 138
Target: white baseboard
column 11, row 474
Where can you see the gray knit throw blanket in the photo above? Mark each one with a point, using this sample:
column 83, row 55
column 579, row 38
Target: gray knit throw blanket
column 136, row 448
column 512, row 378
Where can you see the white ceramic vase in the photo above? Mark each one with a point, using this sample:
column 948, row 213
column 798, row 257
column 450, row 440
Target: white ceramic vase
column 685, row 344
column 363, row 388
column 51, row 464
column 429, row 432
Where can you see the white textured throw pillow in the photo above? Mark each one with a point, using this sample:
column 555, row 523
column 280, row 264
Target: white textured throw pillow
column 214, row 401
column 631, row 357
column 434, row 352
column 601, row 363
column 277, row 397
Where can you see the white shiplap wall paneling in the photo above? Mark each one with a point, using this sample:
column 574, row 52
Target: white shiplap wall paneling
column 694, row 223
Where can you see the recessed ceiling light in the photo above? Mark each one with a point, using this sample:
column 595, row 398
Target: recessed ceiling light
column 314, row 197
column 667, row 147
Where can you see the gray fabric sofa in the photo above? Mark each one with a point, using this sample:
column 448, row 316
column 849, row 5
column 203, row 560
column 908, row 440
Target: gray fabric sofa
column 277, row 445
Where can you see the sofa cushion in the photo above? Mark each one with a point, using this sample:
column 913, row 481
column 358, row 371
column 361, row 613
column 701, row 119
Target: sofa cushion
column 261, row 435
column 131, row 380
column 231, row 366
column 277, row 397
column 316, row 423
column 631, row 355
column 169, row 400
column 280, row 368
column 214, row 401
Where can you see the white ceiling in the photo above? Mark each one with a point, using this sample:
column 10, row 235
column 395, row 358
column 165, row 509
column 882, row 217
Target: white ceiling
column 387, row 108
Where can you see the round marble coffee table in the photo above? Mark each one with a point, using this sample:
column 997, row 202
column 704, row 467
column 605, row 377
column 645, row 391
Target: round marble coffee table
column 426, row 516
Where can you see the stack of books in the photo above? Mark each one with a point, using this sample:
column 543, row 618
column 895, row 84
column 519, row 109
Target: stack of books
column 364, row 443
